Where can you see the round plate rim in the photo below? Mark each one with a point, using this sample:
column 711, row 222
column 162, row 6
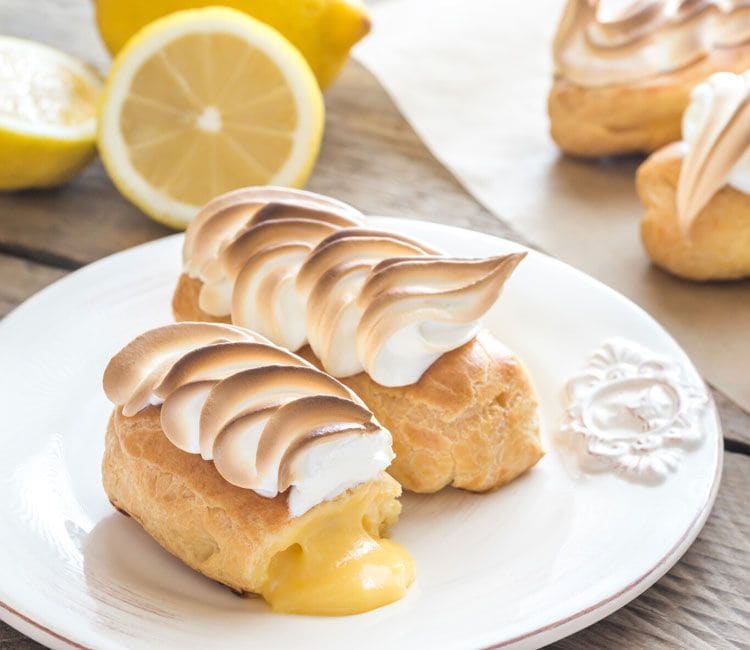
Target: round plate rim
column 545, row 634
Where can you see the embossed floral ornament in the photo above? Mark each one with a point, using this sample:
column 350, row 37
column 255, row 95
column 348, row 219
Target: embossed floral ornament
column 633, row 411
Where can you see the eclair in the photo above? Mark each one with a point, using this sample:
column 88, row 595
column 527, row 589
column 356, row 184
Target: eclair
column 389, row 316
column 624, row 70
column 697, row 191
column 254, row 468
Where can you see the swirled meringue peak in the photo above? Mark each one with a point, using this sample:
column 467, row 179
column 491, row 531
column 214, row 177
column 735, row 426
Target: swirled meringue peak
column 226, row 216
column 416, row 309
column 247, row 247
column 605, row 42
column 716, row 136
column 364, row 299
column 332, row 278
column 270, row 421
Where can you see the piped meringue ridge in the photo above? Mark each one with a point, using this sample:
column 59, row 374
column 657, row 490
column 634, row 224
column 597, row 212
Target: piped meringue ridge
column 612, row 42
column 364, row 299
column 416, row 309
column 268, row 420
column 716, row 141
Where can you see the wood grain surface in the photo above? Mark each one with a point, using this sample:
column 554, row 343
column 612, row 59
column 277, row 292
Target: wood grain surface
column 373, row 159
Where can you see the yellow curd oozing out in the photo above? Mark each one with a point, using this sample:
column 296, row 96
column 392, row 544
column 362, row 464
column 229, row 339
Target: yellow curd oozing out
column 339, row 566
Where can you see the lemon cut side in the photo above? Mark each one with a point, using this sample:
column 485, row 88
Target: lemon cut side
column 205, row 101
column 47, row 114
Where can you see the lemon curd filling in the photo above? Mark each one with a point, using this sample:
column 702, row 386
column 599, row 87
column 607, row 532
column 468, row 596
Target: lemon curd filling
column 339, row 564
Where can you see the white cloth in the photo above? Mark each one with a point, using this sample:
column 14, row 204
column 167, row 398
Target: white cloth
column 472, row 77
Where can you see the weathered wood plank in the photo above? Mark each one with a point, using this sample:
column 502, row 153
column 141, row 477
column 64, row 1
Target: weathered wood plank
column 75, row 224
column 20, row 278
column 734, row 421
column 10, row 639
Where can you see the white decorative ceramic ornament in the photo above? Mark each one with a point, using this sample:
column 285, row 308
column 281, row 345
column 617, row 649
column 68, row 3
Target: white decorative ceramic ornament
column 633, row 411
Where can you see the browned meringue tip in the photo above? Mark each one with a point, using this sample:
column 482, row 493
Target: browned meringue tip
column 605, row 44
column 373, row 233
column 276, row 211
column 348, row 245
column 318, row 437
column 722, row 142
column 234, row 452
column 405, row 273
column 216, row 362
column 407, row 296
column 269, row 233
column 254, row 198
column 214, row 219
column 262, row 304
column 179, row 414
column 627, row 14
column 134, row 362
column 304, row 419
column 257, row 388
column 508, row 263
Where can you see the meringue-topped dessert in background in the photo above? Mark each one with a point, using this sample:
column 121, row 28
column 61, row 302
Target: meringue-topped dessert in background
column 394, row 319
column 624, row 68
column 254, row 468
column 697, row 191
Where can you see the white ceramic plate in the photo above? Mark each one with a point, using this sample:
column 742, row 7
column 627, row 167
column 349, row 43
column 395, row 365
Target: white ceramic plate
column 553, row 552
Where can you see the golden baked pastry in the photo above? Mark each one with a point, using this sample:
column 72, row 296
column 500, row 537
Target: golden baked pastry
column 388, row 316
column 254, row 468
column 624, row 71
column 697, row 191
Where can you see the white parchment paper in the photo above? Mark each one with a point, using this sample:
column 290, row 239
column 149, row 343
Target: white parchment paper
column 472, row 78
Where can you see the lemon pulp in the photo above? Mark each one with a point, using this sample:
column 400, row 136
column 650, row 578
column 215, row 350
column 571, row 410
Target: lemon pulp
column 42, row 89
column 179, row 136
column 202, row 102
column 47, row 114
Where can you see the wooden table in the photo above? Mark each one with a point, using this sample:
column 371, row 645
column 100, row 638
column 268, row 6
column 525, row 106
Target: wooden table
column 372, row 159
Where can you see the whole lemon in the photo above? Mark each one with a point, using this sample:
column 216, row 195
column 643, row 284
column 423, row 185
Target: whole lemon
column 322, row 30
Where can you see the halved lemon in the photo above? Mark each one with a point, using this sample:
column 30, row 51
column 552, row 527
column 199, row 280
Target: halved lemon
column 204, row 101
column 47, row 114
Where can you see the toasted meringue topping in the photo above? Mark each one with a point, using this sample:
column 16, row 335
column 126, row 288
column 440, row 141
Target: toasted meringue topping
column 355, row 244
column 225, row 217
column 416, row 309
column 332, row 278
column 140, row 365
column 247, row 246
column 265, row 296
column 298, row 276
column 260, row 389
column 260, row 412
column 716, row 133
column 604, row 42
column 219, row 361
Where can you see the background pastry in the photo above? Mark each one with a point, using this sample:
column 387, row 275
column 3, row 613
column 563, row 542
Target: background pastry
column 697, row 191
column 254, row 468
column 389, row 317
column 624, row 70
